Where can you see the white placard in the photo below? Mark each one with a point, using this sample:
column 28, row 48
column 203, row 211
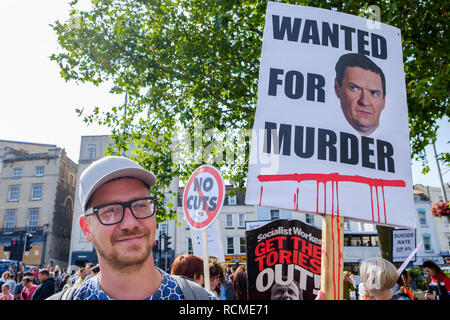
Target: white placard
column 330, row 136
column 403, row 243
column 215, row 244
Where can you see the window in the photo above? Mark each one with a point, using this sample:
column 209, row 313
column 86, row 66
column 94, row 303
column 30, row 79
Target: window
column 39, row 171
column 422, row 217
column 164, row 228
column 241, row 220
column 13, row 193
column 71, row 179
column 190, row 248
column 33, row 219
column 346, row 225
column 361, row 227
column 360, row 240
column 17, row 172
column 355, row 241
column 230, row 245
column 242, row 245
column 427, row 242
column 232, row 200
column 37, row 192
column 310, row 219
column 446, row 222
column 10, row 221
column 274, row 214
column 91, row 151
column 229, row 221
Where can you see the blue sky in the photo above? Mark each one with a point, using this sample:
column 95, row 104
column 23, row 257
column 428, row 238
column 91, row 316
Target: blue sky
column 38, row 106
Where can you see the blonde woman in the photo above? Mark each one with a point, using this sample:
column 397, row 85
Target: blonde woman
column 379, row 276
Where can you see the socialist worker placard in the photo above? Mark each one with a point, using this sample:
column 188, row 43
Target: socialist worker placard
column 331, row 125
column 283, row 261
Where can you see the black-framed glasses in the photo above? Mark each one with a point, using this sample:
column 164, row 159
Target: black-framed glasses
column 113, row 213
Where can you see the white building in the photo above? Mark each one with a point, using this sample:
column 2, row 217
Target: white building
column 232, row 218
column 433, row 231
column 81, row 251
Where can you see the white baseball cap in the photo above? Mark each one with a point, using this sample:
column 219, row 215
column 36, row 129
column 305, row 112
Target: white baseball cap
column 106, row 169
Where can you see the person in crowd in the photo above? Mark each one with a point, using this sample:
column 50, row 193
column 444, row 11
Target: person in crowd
column 215, row 273
column 240, row 282
column 28, row 288
column 47, row 286
column 83, row 273
column 438, row 283
column 404, row 285
column 12, row 283
column 223, row 289
column 190, row 266
column 57, row 277
column 5, row 277
column 348, row 285
column 19, row 285
column 233, row 270
column 118, row 217
column 362, row 292
column 88, row 267
column 95, row 270
column 5, row 295
column 65, row 282
column 379, row 276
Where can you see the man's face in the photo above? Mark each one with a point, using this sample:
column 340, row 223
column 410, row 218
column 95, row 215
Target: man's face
column 362, row 99
column 128, row 244
column 42, row 277
column 285, row 292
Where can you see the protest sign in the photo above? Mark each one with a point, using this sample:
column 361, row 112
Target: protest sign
column 283, row 261
column 330, row 134
column 215, row 244
column 250, row 225
column 203, row 199
column 403, row 243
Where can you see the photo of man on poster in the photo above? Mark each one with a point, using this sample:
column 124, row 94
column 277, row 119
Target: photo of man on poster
column 289, row 291
column 360, row 86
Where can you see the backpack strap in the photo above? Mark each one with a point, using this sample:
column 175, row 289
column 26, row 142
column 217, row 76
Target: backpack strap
column 191, row 290
column 66, row 294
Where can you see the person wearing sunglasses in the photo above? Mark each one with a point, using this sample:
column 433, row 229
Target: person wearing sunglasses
column 119, row 219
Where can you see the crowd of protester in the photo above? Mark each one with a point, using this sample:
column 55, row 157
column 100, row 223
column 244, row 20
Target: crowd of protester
column 39, row 283
column 378, row 280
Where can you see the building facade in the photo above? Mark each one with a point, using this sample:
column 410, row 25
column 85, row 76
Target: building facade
column 360, row 239
column 232, row 218
column 37, row 182
column 433, row 231
column 81, row 251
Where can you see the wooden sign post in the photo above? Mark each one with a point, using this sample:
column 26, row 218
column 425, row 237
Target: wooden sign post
column 332, row 264
column 205, row 259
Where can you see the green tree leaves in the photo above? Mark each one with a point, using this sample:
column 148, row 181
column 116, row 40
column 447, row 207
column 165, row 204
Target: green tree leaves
column 184, row 63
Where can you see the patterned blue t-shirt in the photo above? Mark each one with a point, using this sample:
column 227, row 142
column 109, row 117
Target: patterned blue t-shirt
column 168, row 290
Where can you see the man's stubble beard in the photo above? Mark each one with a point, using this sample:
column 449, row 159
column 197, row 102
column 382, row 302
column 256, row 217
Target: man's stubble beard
column 124, row 264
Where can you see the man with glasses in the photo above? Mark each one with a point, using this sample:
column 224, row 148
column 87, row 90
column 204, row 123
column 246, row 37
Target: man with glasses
column 119, row 219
